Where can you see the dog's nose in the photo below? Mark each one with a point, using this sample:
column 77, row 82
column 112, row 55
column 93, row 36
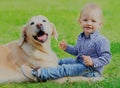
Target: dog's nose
column 39, row 26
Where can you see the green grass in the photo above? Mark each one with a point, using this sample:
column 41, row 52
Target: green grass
column 64, row 14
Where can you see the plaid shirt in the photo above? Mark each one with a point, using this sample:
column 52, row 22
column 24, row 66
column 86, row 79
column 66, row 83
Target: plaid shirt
column 96, row 46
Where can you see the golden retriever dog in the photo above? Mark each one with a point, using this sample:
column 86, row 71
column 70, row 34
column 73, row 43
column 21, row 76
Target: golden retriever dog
column 33, row 49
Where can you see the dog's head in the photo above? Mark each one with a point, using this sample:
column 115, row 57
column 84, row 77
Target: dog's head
column 38, row 30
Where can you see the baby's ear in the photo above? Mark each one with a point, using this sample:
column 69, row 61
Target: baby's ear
column 100, row 24
column 23, row 36
column 54, row 32
column 78, row 20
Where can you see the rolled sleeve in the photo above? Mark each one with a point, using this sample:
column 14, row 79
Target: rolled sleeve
column 101, row 61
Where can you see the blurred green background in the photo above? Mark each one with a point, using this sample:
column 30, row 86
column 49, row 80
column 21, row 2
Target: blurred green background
column 64, row 14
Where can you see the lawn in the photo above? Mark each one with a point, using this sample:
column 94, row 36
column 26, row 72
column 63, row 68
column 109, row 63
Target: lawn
column 64, row 14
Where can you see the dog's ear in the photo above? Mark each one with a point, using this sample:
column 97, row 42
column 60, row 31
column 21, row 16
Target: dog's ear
column 54, row 32
column 23, row 36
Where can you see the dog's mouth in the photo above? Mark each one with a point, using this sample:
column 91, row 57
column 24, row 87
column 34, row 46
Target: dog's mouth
column 41, row 36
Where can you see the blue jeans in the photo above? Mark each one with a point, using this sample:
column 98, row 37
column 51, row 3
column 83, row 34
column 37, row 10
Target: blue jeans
column 67, row 67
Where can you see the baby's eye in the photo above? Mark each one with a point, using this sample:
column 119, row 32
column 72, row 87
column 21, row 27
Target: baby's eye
column 85, row 20
column 93, row 20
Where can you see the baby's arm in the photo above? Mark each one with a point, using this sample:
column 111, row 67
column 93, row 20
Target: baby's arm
column 103, row 50
column 68, row 48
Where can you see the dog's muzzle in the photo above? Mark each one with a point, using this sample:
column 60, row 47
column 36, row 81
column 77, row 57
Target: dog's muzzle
column 40, row 36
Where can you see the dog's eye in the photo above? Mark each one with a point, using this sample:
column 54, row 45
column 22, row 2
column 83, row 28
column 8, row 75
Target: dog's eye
column 44, row 20
column 31, row 23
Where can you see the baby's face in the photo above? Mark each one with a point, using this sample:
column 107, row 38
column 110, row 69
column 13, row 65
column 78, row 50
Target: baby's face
column 90, row 21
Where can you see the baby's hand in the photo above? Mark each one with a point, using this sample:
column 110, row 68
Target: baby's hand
column 63, row 45
column 87, row 60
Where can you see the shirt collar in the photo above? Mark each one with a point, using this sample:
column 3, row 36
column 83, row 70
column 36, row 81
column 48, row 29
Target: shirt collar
column 92, row 35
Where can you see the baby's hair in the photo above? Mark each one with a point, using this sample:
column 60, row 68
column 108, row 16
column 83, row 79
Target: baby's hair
column 92, row 6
